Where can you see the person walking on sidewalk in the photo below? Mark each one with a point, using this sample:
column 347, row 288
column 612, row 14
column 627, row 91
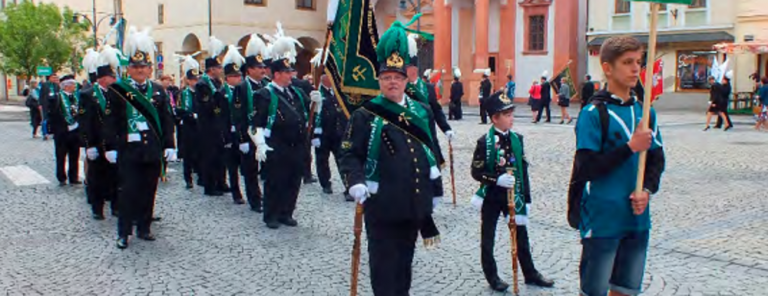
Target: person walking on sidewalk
column 564, row 101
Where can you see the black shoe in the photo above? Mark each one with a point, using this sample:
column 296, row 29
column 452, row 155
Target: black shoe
column 147, row 236
column 706, row 128
column 569, row 121
column 122, row 243
column 98, row 216
column 257, row 209
column 327, row 190
column 499, row 285
column 213, row 193
column 718, row 126
column 540, row 280
column 62, row 184
column 157, row 219
column 190, row 186
column 348, row 197
column 273, row 225
column 310, row 180
column 548, row 121
column 562, row 121
column 239, row 201
column 73, row 183
column 289, row 222
column 727, row 128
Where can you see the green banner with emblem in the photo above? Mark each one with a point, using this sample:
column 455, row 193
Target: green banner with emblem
column 565, row 73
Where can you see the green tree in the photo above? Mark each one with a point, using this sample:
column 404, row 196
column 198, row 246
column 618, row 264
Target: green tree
column 33, row 35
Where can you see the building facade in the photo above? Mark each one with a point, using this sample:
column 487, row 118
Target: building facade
column 522, row 38
column 687, row 35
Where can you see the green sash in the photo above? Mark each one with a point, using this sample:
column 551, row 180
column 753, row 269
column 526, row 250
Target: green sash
column 233, row 114
column 413, row 113
column 100, row 97
column 67, row 106
column 492, row 158
column 419, row 90
column 144, row 102
column 249, row 101
column 186, row 100
column 271, row 116
column 207, row 80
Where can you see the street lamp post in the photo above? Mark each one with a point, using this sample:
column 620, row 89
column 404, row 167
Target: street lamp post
column 94, row 26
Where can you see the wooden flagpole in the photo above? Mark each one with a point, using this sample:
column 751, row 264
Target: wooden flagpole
column 647, row 101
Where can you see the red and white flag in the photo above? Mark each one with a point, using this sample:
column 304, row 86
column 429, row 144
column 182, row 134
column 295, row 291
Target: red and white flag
column 657, row 88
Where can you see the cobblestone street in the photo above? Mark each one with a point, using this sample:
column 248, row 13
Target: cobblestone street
column 710, row 234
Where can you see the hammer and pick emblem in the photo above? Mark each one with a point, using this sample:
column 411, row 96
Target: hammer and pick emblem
column 358, row 73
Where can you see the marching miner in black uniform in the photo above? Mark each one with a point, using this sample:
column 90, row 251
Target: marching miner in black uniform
column 64, row 114
column 307, row 87
column 281, row 136
column 485, row 93
column 233, row 111
column 388, row 158
column 101, row 175
column 212, row 122
column 254, row 70
column 188, row 132
column 139, row 130
column 500, row 149
column 330, row 124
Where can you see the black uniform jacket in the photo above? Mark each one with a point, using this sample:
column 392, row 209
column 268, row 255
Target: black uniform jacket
column 481, row 173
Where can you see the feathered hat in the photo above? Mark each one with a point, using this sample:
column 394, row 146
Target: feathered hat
column 485, row 72
column 283, row 51
column 428, row 74
column 255, row 52
column 109, row 60
column 139, row 47
column 190, row 66
column 215, row 51
column 545, row 75
column 232, row 61
column 318, row 59
column 498, row 102
column 413, row 50
column 392, row 51
column 456, row 72
column 90, row 62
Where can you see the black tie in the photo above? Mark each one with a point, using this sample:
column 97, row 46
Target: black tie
column 288, row 95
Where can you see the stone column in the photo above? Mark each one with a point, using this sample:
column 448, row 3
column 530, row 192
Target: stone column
column 442, row 49
column 481, row 33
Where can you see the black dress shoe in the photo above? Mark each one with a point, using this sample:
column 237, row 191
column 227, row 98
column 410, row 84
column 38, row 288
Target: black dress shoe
column 73, row 183
column 539, row 280
column 190, row 186
column 289, row 222
column 214, row 193
column 273, row 225
column 157, row 219
column 727, row 128
column 147, row 236
column 499, row 286
column 348, row 197
column 122, row 243
column 257, row 209
column 328, row 190
column 62, row 184
column 97, row 216
column 310, row 180
column 239, row 201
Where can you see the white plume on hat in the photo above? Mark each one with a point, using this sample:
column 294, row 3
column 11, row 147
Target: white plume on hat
column 284, row 46
column 413, row 47
column 233, row 57
column 427, row 73
column 456, row 72
column 486, row 72
column 139, row 41
column 109, row 56
column 318, row 60
column 545, row 74
column 255, row 47
column 729, row 74
column 215, row 47
column 90, row 60
column 188, row 62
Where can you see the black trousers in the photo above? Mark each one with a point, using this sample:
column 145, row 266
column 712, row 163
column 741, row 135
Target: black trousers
column 390, row 248
column 245, row 164
column 544, row 105
column 189, row 152
column 328, row 146
column 102, row 184
column 490, row 213
column 282, row 173
column 213, row 167
column 454, row 110
column 308, row 164
column 719, row 123
column 483, row 112
column 138, row 183
column 67, row 147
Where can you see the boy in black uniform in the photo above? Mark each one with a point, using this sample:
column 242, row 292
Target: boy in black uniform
column 230, row 97
column 188, row 129
column 101, row 175
column 254, row 72
column 330, row 123
column 139, row 129
column 211, row 119
column 64, row 114
column 497, row 151
column 281, row 122
column 388, row 158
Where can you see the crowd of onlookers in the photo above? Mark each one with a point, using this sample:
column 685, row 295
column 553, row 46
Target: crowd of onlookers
column 761, row 110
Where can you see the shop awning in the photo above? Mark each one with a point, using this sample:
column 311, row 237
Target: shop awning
column 755, row 47
column 719, row 36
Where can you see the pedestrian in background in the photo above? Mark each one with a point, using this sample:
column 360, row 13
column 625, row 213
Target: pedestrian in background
column 725, row 99
column 762, row 98
column 33, row 103
column 546, row 98
column 510, row 87
column 587, row 90
column 717, row 105
column 457, row 92
column 535, row 99
column 564, row 101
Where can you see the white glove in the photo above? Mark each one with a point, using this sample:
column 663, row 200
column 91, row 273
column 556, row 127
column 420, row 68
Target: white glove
column 261, row 145
column 316, row 142
column 506, row 181
column 92, row 153
column 450, row 134
column 170, row 154
column 244, row 148
column 436, row 201
column 194, row 115
column 111, row 156
column 316, row 97
column 477, row 202
column 228, row 145
column 359, row 192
